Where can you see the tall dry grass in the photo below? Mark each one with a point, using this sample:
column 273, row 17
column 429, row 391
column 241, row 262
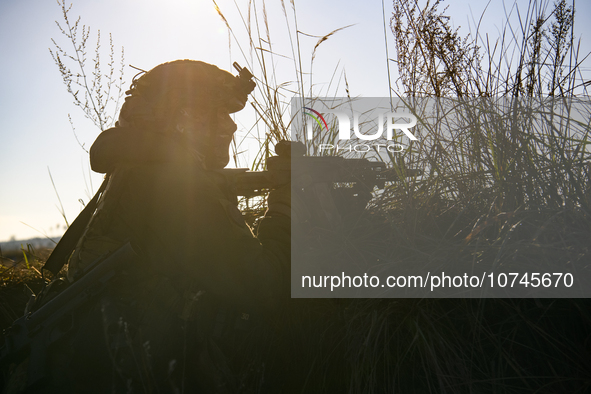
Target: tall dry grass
column 506, row 184
column 507, row 180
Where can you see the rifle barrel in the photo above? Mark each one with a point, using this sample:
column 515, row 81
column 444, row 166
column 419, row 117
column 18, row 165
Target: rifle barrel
column 331, row 169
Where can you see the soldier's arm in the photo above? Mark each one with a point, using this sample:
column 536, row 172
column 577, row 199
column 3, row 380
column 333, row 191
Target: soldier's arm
column 189, row 227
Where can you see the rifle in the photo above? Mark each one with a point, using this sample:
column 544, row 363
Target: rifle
column 330, row 186
column 357, row 173
column 32, row 334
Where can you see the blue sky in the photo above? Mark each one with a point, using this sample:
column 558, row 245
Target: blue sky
column 35, row 133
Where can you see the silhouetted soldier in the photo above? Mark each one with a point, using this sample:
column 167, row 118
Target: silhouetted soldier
column 184, row 318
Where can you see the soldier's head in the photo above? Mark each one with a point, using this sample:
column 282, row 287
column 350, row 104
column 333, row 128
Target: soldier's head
column 192, row 100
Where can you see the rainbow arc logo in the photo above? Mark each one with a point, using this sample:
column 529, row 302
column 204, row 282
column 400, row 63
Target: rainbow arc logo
column 317, row 118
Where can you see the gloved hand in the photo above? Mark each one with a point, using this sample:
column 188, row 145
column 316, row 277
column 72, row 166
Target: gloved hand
column 287, row 200
column 279, row 202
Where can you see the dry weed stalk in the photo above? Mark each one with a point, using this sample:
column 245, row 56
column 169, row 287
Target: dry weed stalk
column 101, row 90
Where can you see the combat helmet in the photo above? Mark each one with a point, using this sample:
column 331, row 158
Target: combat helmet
column 179, row 83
